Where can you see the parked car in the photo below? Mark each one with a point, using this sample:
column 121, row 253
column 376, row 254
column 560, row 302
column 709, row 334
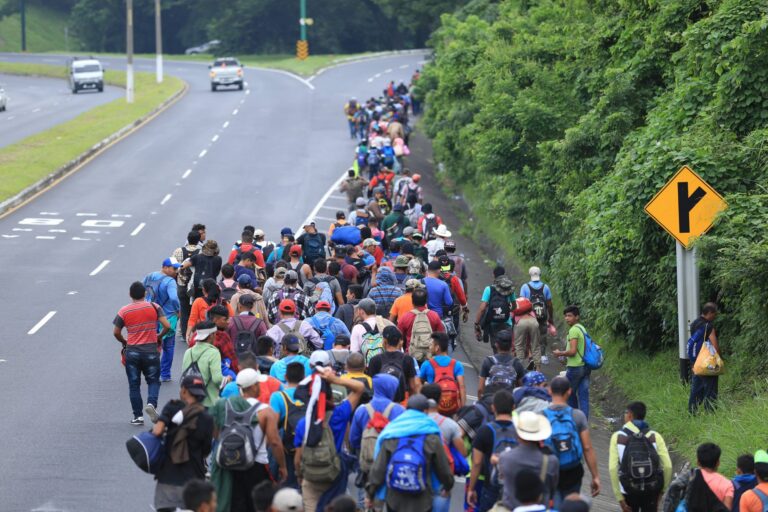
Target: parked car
column 226, row 71
column 85, row 73
column 203, row 48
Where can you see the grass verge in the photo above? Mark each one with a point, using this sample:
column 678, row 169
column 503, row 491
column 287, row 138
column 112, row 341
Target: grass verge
column 45, row 29
column 33, row 158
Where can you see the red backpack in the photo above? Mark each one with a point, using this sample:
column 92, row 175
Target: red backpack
column 449, row 388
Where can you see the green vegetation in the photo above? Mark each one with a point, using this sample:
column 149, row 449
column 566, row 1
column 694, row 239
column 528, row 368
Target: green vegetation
column 45, row 28
column 564, row 118
column 33, row 158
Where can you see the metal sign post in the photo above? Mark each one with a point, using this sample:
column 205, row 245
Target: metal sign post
column 687, row 302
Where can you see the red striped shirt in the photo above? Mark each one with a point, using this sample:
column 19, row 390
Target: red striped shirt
column 140, row 321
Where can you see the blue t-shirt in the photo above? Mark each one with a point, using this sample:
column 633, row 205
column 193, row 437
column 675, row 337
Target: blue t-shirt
column 427, row 373
column 438, row 295
column 278, row 369
column 230, row 390
column 525, row 290
column 278, row 405
column 338, row 423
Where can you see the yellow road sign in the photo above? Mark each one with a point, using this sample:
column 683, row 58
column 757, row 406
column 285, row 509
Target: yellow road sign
column 686, row 206
column 302, row 50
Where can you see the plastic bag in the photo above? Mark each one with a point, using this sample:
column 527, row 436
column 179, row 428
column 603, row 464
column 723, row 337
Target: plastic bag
column 708, row 362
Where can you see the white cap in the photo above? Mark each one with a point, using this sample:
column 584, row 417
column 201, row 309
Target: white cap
column 535, row 273
column 319, row 358
column 287, row 500
column 248, row 377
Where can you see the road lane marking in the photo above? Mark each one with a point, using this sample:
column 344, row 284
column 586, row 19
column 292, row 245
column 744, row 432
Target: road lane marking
column 334, row 208
column 39, row 325
column 404, row 66
column 165, row 199
column 224, row 126
column 234, row 112
column 36, row 111
column 388, row 70
column 11, row 118
column 125, row 216
column 138, row 229
column 370, row 79
column 295, row 77
column 77, row 238
column 202, row 153
column 248, row 91
column 102, row 223
column 327, row 219
column 215, row 138
column 21, row 229
column 86, row 214
column 377, row 75
column 73, row 292
column 49, row 213
column 186, row 174
column 337, row 196
column 10, row 236
column 99, row 268
column 31, row 221
column 57, row 230
column 45, row 237
column 92, row 231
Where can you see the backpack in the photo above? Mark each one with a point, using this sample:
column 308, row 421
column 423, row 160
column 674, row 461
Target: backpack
column 394, row 367
column 539, row 302
column 498, row 309
column 504, row 438
column 421, row 336
column 304, row 349
column 376, row 423
column 372, row 344
column 347, row 235
column 153, row 286
column 313, row 247
column 373, row 159
column 294, row 411
column 340, row 367
column 182, row 278
column 245, row 339
column 203, row 270
column 322, row 291
column 593, row 356
column 237, row 450
column 147, row 451
column 449, row 389
column 193, row 370
column 412, row 197
column 321, row 464
column 361, row 221
column 325, row 331
column 565, row 441
column 227, row 292
column 407, row 468
column 640, row 470
column 501, row 375
column 388, row 156
column 239, row 253
column 430, row 223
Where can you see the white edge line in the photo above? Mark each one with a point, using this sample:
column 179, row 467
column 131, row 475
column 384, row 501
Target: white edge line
column 202, row 153
column 295, row 77
column 224, row 126
column 319, row 205
column 99, row 268
column 234, row 112
column 186, row 174
column 138, row 228
column 215, row 138
column 42, row 322
column 165, row 199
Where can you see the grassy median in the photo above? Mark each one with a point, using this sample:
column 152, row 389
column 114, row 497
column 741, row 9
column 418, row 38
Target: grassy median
column 33, row 158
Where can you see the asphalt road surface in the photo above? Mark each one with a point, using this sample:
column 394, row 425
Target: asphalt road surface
column 36, row 104
column 265, row 156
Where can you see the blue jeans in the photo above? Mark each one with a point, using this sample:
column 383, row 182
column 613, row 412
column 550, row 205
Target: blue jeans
column 703, row 391
column 441, row 504
column 137, row 363
column 169, row 343
column 578, row 376
column 488, row 497
column 352, row 129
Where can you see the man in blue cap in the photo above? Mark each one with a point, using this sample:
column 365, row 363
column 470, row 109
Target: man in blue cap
column 161, row 289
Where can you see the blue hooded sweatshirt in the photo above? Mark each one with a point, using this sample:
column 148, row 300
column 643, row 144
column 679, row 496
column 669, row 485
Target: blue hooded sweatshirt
column 384, row 389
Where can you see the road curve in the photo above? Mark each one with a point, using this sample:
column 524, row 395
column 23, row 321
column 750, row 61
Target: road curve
column 264, row 156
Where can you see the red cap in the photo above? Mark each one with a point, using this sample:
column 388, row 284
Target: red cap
column 295, row 249
column 416, row 178
column 287, row 306
column 323, row 306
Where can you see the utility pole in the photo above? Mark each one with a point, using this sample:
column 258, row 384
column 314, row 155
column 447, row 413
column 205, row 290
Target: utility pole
column 23, row 12
column 129, row 50
column 303, row 22
column 159, row 41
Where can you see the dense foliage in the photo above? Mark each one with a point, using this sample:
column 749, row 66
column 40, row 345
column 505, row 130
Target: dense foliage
column 567, row 116
column 253, row 26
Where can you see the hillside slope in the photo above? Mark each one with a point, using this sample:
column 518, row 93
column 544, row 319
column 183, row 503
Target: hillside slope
column 45, row 30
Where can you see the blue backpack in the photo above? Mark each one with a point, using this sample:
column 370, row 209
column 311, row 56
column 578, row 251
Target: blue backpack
column 147, row 451
column 322, row 292
column 504, row 438
column 313, row 247
column 407, row 469
column 388, row 156
column 325, row 331
column 153, row 288
column 373, row 158
column 695, row 342
column 593, row 356
column 346, row 235
column 565, row 441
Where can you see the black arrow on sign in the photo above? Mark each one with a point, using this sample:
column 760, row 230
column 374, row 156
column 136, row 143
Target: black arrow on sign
column 686, row 203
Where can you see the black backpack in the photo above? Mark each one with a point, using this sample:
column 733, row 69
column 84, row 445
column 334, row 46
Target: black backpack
column 498, row 309
column 293, row 413
column 391, row 365
column 640, row 470
column 182, row 278
column 539, row 302
column 229, row 291
column 193, row 370
column 245, row 339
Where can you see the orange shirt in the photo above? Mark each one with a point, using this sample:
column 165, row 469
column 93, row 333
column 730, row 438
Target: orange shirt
column 402, row 305
column 267, row 388
column 750, row 502
column 198, row 311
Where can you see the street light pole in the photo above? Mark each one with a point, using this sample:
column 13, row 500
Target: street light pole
column 23, row 12
column 129, row 50
column 159, row 41
column 303, row 24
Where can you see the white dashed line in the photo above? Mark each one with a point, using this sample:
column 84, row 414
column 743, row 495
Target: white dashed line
column 57, row 230
column 45, row 237
column 248, row 91
column 49, row 213
column 234, row 112
column 334, row 208
column 86, row 214
column 328, row 219
column 224, row 126
column 377, row 75
column 370, row 79
column 39, row 325
column 126, row 216
column 202, row 153
column 99, row 268
column 10, row 236
column 388, row 70
column 36, row 111
column 11, row 118
column 77, row 238
column 21, row 229
column 165, row 199
column 215, row 138
column 73, row 292
column 92, row 231
column 404, row 66
column 138, row 229
column 186, row 174
column 325, row 197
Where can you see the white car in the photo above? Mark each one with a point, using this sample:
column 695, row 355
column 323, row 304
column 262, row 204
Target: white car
column 226, row 71
column 3, row 100
column 86, row 73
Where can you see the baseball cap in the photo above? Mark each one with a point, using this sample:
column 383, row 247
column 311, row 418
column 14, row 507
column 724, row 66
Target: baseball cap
column 295, row 249
column 291, row 342
column 535, row 273
column 418, row 235
column 419, row 403
column 401, row 262
column 534, row 378
column 323, row 306
column 286, row 232
column 392, row 333
column 761, row 457
column 291, row 276
column 319, row 358
column 287, row 306
column 412, row 284
column 398, row 207
column 360, row 202
column 195, row 385
column 369, row 242
column 450, row 244
column 248, row 377
column 259, row 233
column 341, row 214
column 280, row 272
column 171, row 262
column 287, row 499
column 445, row 263
column 247, row 300
column 409, row 231
column 379, row 190
column 310, row 222
column 244, row 279
column 416, row 178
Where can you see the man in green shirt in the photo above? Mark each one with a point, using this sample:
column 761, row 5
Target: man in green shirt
column 208, row 360
column 576, row 372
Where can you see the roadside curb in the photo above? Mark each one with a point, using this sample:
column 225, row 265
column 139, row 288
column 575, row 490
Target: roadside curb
column 76, row 164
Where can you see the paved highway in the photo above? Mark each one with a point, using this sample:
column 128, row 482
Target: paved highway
column 36, row 104
column 264, row 156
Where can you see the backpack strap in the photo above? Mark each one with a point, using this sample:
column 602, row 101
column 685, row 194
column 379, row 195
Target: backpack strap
column 544, row 467
column 238, row 323
column 763, row 497
column 370, row 410
column 284, row 396
column 387, row 409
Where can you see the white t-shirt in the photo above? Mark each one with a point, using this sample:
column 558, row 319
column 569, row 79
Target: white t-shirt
column 259, row 439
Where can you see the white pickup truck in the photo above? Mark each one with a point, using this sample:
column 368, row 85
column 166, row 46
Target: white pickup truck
column 226, row 71
column 85, row 73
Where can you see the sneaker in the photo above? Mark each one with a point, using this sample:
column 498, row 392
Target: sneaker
column 138, row 421
column 152, row 413
column 544, row 360
column 165, row 379
column 531, row 366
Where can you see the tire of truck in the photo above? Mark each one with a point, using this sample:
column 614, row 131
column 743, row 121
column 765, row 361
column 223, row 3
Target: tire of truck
column 213, row 87
column 240, row 86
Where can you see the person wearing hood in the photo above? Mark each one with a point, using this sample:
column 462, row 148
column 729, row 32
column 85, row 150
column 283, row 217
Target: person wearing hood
column 490, row 318
column 384, row 389
column 385, row 292
column 533, row 394
column 389, row 479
